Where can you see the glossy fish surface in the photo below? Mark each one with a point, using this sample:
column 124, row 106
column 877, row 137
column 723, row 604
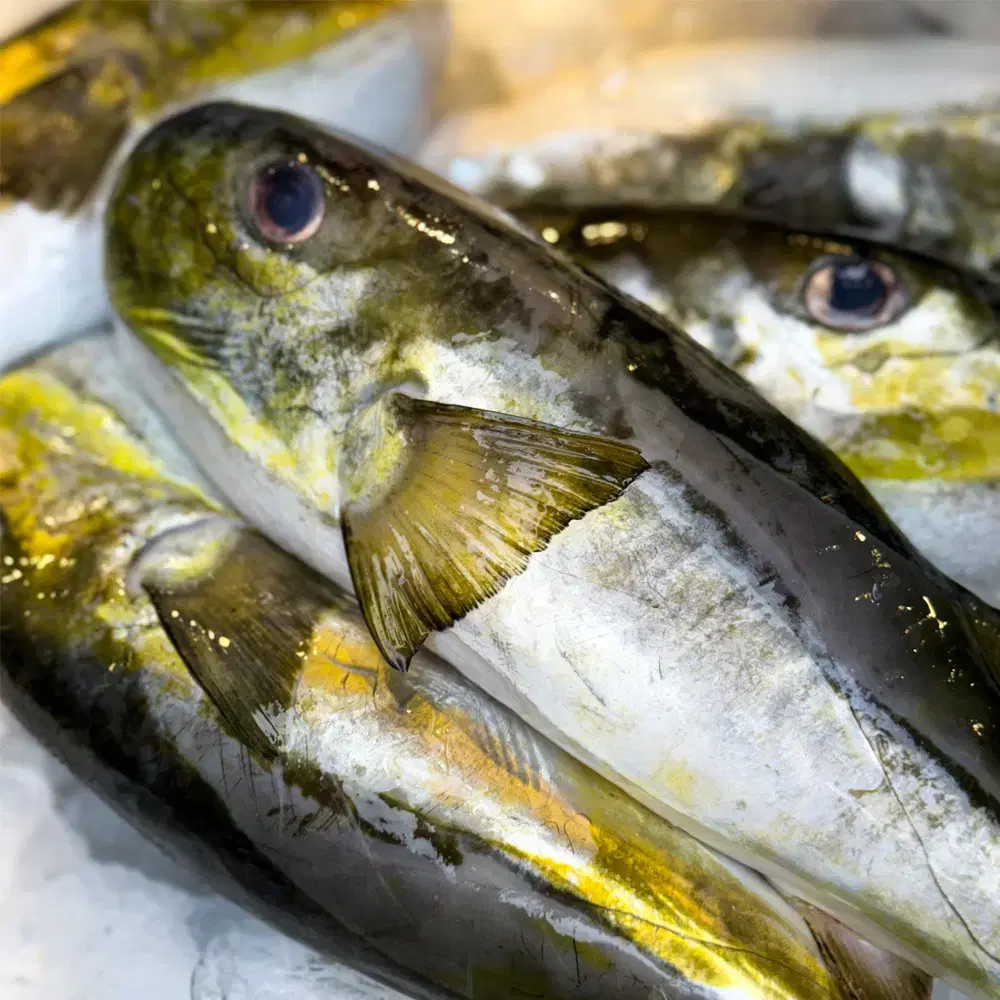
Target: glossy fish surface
column 890, row 358
column 925, row 179
column 409, row 825
column 78, row 88
column 578, row 506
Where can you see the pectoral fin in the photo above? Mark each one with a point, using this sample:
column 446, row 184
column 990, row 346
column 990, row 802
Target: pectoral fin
column 240, row 613
column 449, row 503
column 863, row 971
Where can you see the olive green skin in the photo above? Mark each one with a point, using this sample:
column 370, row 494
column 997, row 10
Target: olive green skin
column 928, row 181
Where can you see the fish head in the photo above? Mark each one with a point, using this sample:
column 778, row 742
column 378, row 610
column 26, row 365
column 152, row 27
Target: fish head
column 244, row 248
column 890, row 357
column 78, row 89
column 893, row 359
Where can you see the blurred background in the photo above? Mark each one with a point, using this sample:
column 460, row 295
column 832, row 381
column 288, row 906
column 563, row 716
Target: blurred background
column 92, row 910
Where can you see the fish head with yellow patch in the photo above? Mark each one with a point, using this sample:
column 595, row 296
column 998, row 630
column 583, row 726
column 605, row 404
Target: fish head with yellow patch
column 241, row 248
column 890, row 357
column 78, row 89
column 893, row 359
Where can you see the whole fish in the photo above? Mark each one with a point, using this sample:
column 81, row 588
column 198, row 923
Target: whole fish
column 408, row 825
column 580, row 508
column 928, row 180
column 890, row 358
column 78, row 88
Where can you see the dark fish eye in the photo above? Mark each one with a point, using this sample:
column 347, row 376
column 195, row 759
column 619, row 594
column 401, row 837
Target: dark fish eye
column 286, row 202
column 853, row 295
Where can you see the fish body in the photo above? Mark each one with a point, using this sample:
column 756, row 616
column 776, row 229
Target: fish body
column 580, row 508
column 408, row 825
column 902, row 383
column 925, row 179
column 79, row 88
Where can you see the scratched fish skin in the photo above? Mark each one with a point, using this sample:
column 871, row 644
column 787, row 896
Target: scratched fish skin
column 413, row 811
column 927, row 179
column 910, row 400
column 77, row 89
column 631, row 547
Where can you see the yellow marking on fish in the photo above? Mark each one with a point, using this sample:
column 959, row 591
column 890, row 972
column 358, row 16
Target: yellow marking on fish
column 933, row 615
column 28, row 60
column 918, row 445
column 645, row 888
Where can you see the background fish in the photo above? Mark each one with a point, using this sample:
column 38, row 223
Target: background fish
column 891, row 359
column 579, row 506
column 233, row 703
column 927, row 179
column 78, row 88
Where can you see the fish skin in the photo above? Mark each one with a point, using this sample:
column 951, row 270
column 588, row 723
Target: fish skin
column 744, row 525
column 925, row 179
column 130, row 63
column 406, row 809
column 910, row 406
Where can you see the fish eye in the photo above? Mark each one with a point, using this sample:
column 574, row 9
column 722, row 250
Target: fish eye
column 853, row 295
column 286, row 202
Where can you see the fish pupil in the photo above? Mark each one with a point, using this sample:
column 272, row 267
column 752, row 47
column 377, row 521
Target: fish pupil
column 857, row 289
column 291, row 198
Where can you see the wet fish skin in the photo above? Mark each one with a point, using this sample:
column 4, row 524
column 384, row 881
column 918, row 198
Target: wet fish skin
column 77, row 89
column 745, row 595
column 450, row 839
column 910, row 405
column 926, row 180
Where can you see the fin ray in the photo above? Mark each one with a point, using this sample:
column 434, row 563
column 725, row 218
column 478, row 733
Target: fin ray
column 240, row 612
column 469, row 497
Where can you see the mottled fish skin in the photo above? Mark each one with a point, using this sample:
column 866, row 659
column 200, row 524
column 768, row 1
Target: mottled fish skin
column 77, row 89
column 743, row 639
column 911, row 405
column 410, row 826
column 928, row 180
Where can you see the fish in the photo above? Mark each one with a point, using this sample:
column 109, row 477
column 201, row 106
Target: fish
column 926, row 179
column 514, row 466
column 902, row 382
column 79, row 87
column 233, row 705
